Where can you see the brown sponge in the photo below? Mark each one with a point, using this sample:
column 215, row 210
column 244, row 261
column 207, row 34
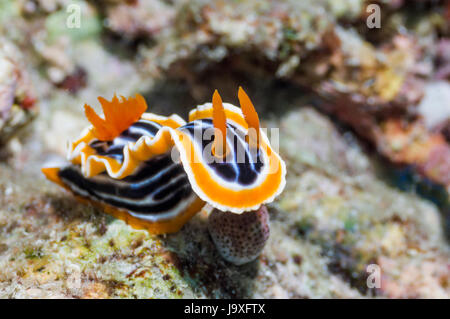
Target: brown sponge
column 239, row 238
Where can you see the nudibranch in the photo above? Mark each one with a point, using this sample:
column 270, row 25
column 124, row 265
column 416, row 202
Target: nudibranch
column 121, row 164
column 156, row 172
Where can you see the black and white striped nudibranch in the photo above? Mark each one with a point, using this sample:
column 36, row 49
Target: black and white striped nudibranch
column 156, row 172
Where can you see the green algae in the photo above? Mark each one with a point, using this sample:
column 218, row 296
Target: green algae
column 58, row 24
column 8, row 10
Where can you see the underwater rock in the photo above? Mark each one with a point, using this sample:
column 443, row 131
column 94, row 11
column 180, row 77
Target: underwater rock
column 35, row 7
column 363, row 84
column 16, row 97
column 139, row 19
column 334, row 218
column 435, row 106
column 337, row 215
column 442, row 60
column 8, row 82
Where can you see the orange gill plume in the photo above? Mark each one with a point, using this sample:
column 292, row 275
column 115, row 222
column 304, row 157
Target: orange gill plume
column 251, row 117
column 119, row 115
column 220, row 125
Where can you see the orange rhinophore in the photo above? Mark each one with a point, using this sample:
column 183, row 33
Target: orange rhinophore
column 220, row 124
column 251, row 117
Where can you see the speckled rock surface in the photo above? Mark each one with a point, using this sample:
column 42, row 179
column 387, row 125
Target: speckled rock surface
column 239, row 238
column 335, row 217
column 17, row 101
column 339, row 213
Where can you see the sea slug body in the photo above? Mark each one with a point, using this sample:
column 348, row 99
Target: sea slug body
column 125, row 163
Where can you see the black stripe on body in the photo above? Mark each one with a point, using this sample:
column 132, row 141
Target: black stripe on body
column 165, row 190
column 244, row 172
column 115, row 147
